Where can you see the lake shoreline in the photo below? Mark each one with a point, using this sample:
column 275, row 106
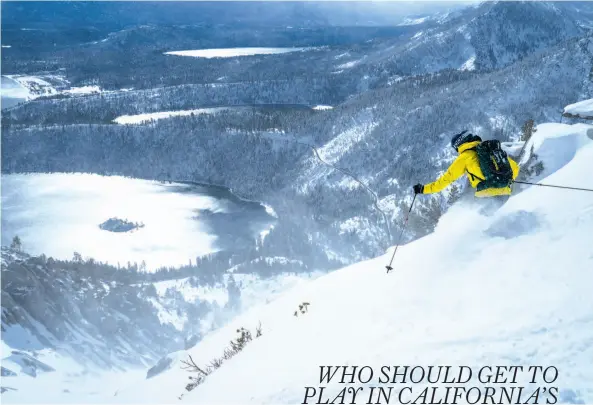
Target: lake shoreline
column 183, row 219
column 224, row 53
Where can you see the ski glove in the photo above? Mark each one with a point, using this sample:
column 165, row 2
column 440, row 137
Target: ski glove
column 419, row 189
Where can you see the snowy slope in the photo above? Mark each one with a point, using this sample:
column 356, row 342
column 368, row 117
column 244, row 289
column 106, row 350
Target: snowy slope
column 58, row 379
column 511, row 289
column 150, row 117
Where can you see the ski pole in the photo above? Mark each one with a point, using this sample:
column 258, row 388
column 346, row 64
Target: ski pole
column 388, row 267
column 552, row 185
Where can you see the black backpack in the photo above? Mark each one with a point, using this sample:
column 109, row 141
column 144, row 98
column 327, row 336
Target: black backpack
column 494, row 163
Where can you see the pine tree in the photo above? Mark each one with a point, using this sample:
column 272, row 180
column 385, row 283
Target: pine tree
column 527, row 130
column 16, row 244
column 454, row 194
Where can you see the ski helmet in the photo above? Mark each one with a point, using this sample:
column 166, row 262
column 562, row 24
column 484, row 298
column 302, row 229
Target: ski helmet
column 463, row 137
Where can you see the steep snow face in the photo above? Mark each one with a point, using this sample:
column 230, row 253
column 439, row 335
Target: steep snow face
column 556, row 145
column 510, row 289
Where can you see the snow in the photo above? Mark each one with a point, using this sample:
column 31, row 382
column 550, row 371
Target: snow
column 510, row 289
column 512, row 148
column 13, row 89
column 19, row 338
column 32, row 87
column 149, row 117
column 69, row 383
column 168, row 317
column 470, row 64
column 413, row 21
column 83, row 90
column 270, row 211
column 556, row 144
column 265, row 233
column 323, row 107
column 50, row 85
column 191, row 293
column 256, row 290
column 582, row 108
column 394, row 79
column 26, row 364
column 348, row 183
column 232, row 52
column 59, row 214
column 339, row 145
column 37, row 86
column 348, row 65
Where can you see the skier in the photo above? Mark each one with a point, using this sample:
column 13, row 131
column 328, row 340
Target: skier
column 489, row 169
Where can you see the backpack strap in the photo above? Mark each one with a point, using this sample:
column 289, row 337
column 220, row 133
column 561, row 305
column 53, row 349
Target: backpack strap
column 473, row 176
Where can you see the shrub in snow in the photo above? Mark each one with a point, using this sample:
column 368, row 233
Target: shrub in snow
column 302, row 308
column 245, row 336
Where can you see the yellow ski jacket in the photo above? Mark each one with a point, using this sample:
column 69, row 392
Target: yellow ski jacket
column 467, row 162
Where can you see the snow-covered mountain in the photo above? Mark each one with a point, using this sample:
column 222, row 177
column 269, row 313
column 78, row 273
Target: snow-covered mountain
column 510, row 289
column 490, row 35
column 63, row 321
column 80, row 312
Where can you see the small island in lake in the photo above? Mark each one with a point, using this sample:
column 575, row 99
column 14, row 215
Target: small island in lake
column 120, row 225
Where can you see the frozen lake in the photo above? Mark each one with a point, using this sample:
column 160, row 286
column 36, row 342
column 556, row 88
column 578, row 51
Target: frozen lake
column 59, row 214
column 12, row 92
column 232, row 52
